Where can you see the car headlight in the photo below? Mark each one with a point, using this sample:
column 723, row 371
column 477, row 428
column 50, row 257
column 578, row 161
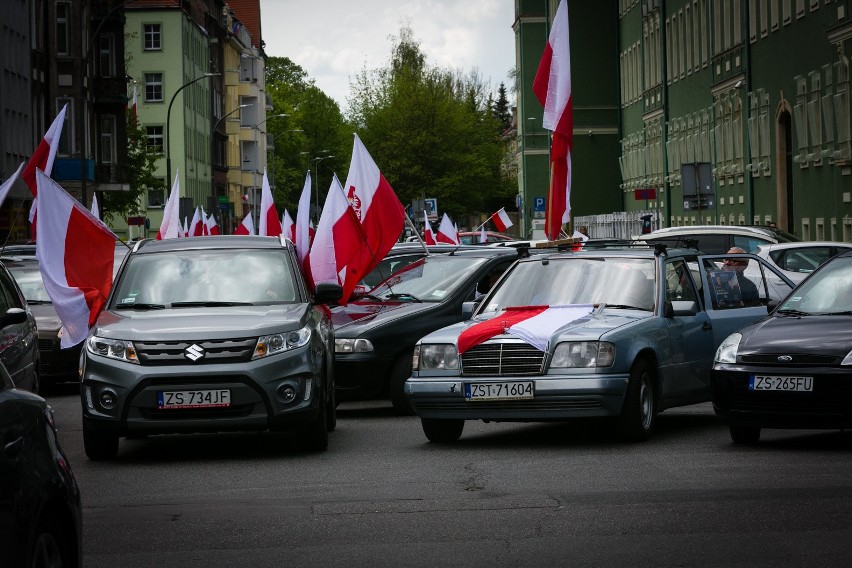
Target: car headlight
column 583, row 354
column 727, row 351
column 435, row 357
column 352, row 346
column 280, row 342
column 112, row 348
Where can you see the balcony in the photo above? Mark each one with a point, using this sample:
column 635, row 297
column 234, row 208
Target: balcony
column 67, row 169
column 111, row 173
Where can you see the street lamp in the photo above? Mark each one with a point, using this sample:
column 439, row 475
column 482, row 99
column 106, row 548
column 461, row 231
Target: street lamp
column 274, row 138
column 317, row 161
column 226, row 115
column 168, row 125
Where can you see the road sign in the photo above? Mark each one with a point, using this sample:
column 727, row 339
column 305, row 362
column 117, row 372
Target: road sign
column 538, row 207
column 431, row 206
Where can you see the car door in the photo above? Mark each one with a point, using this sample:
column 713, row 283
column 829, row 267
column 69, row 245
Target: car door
column 17, row 340
column 739, row 289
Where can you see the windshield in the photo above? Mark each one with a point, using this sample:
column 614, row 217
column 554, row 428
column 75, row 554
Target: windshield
column 625, row 282
column 206, row 277
column 827, row 291
column 430, row 279
column 31, row 284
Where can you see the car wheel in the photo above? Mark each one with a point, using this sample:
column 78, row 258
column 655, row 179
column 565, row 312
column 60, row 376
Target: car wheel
column 400, row 372
column 331, row 411
column 637, row 416
column 745, row 435
column 442, row 431
column 99, row 446
column 50, row 549
column 314, row 436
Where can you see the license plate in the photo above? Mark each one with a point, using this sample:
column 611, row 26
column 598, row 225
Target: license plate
column 194, row 399
column 499, row 391
column 775, row 383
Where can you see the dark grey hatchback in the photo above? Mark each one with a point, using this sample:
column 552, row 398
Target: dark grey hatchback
column 210, row 334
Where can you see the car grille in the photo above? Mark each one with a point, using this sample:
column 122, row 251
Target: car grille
column 45, row 345
column 797, row 359
column 502, row 359
column 216, row 351
column 512, row 405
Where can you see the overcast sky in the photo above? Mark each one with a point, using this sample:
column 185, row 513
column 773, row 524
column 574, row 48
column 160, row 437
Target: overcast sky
column 333, row 39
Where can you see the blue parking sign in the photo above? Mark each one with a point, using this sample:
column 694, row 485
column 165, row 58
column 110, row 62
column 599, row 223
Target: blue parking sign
column 538, row 203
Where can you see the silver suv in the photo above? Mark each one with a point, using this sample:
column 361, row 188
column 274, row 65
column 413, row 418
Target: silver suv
column 209, row 334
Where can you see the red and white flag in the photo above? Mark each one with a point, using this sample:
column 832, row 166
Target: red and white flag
column 302, row 231
column 45, row 153
column 205, row 229
column 133, row 106
column 268, row 223
column 195, row 226
column 483, row 237
column 501, row 220
column 212, row 226
column 379, row 211
column 7, row 185
column 170, row 227
column 246, row 227
column 447, row 232
column 288, row 227
column 428, row 235
column 185, row 228
column 94, row 209
column 552, row 86
column 534, row 324
column 337, row 241
column 75, row 253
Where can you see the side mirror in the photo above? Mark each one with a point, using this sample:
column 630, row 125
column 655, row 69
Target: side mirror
column 467, row 310
column 684, row 308
column 13, row 316
column 327, row 293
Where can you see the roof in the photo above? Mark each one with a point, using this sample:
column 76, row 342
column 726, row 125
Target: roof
column 248, row 13
column 207, row 243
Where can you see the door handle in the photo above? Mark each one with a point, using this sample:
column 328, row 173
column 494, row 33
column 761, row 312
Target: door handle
column 706, row 326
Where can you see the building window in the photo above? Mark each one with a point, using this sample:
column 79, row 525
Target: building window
column 154, row 138
column 66, row 143
column 63, row 20
column 152, row 37
column 157, row 197
column 106, row 55
column 107, row 139
column 153, row 87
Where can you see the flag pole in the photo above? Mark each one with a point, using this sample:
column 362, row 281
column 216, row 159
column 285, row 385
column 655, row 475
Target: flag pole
column 416, row 232
column 483, row 223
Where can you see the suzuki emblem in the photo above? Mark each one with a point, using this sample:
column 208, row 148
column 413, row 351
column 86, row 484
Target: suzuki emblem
column 785, row 358
column 194, row 352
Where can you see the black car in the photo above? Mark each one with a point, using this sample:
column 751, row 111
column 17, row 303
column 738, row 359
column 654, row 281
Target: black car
column 40, row 512
column 19, row 345
column 209, row 335
column 375, row 335
column 793, row 369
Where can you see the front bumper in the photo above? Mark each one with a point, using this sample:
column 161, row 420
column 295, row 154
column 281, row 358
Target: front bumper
column 828, row 405
column 557, row 397
column 255, row 400
column 360, row 375
column 57, row 363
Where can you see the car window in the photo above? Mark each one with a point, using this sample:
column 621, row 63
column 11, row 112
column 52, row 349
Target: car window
column 430, row 279
column 748, row 244
column 243, row 276
column 679, row 285
column 828, row 291
column 739, row 281
column 803, row 260
column 31, row 284
column 388, row 266
column 11, row 299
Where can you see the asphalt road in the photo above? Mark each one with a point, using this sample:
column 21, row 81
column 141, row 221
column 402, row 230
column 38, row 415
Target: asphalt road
column 505, row 495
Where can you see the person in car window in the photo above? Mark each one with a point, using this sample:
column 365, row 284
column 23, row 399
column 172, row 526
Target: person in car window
column 748, row 289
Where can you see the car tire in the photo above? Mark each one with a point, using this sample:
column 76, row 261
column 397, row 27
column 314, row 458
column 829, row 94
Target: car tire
column 442, row 431
column 50, row 547
column 331, row 411
column 636, row 422
column 400, row 372
column 745, row 435
column 99, row 446
column 314, row 436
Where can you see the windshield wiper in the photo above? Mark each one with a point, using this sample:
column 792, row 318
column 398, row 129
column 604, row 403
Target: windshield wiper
column 370, row 297
column 843, row 313
column 625, row 307
column 404, row 295
column 38, row 302
column 139, row 306
column 208, row 304
column 792, row 312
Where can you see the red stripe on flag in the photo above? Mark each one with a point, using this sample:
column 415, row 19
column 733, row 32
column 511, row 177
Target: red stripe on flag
column 483, row 331
column 38, row 160
column 557, row 197
column 542, row 76
column 89, row 257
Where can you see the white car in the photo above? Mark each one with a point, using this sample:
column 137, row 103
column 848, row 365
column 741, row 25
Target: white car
column 718, row 239
column 798, row 260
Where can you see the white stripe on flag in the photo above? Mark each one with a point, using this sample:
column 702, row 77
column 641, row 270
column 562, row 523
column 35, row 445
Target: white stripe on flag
column 538, row 329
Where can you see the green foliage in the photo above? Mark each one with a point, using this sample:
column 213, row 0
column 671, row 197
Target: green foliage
column 141, row 165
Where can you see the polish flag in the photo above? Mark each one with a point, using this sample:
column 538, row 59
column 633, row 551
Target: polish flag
column 94, row 209
column 379, row 211
column 552, row 87
column 428, row 235
column 483, row 237
column 205, row 230
column 246, row 227
column 288, row 228
column 302, row 231
column 212, row 226
column 75, row 252
column 501, row 220
column 268, row 223
column 534, row 324
column 185, row 229
column 170, row 227
column 447, row 232
column 195, row 226
column 338, row 241
column 7, row 185
column 44, row 154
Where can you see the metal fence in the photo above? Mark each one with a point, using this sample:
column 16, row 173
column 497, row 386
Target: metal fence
column 618, row 225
